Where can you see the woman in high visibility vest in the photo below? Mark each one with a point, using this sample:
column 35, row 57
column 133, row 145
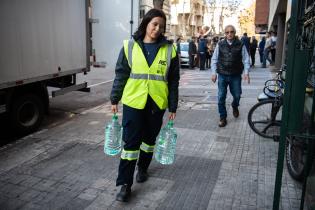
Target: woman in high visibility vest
column 146, row 81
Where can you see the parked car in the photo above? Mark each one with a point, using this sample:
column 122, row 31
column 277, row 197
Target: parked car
column 184, row 57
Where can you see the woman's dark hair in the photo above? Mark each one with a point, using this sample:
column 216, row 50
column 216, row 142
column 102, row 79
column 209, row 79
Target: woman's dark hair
column 152, row 13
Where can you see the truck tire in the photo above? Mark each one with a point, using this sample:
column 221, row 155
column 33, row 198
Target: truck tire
column 27, row 113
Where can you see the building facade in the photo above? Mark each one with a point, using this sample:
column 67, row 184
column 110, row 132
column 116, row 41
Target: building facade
column 146, row 5
column 247, row 20
column 187, row 18
column 278, row 23
column 261, row 16
column 274, row 19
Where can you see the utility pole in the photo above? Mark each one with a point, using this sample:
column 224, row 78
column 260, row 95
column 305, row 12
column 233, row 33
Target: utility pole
column 131, row 19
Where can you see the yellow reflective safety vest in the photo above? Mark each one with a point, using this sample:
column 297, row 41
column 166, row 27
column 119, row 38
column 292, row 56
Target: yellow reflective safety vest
column 146, row 80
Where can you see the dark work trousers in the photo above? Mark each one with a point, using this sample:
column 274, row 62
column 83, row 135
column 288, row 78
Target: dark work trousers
column 139, row 125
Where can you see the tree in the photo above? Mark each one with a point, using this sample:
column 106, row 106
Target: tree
column 212, row 6
column 247, row 19
column 158, row 4
column 227, row 8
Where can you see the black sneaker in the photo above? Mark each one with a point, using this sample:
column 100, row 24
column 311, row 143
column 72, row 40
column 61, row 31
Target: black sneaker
column 222, row 122
column 236, row 113
column 141, row 176
column 124, row 193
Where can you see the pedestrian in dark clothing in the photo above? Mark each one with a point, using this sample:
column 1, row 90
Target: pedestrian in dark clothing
column 253, row 48
column 229, row 59
column 147, row 79
column 178, row 45
column 202, row 48
column 208, row 54
column 267, row 49
column 273, row 46
column 178, row 40
column 261, row 48
column 192, row 51
column 246, row 42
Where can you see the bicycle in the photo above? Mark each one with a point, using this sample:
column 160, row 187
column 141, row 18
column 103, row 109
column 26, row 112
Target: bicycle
column 296, row 154
column 264, row 118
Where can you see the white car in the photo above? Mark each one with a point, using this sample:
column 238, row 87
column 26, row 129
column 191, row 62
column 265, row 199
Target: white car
column 184, row 57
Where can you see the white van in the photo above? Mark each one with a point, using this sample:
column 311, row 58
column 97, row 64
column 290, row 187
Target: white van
column 184, row 57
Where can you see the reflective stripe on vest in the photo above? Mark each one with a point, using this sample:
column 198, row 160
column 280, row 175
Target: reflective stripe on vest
column 145, row 76
column 169, row 58
column 129, row 155
column 130, row 46
column 169, row 54
column 147, row 80
column 146, row 148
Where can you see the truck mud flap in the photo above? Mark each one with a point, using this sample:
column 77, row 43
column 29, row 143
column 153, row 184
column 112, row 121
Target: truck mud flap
column 78, row 87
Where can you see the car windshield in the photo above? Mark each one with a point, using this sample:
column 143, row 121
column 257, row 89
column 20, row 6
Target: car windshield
column 184, row 47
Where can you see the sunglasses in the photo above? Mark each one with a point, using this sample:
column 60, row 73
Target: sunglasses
column 229, row 32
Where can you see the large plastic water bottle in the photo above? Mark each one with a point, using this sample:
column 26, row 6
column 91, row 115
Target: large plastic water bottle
column 166, row 144
column 113, row 137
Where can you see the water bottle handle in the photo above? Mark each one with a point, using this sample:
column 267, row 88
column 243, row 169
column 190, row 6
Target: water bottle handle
column 170, row 123
column 115, row 117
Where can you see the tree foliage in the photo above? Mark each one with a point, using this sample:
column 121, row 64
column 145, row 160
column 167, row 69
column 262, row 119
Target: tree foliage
column 247, row 19
column 227, row 8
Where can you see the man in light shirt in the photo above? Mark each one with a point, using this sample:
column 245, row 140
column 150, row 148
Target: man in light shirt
column 267, row 49
column 273, row 46
column 229, row 60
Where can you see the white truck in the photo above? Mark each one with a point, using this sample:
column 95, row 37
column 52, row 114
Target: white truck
column 42, row 43
column 117, row 20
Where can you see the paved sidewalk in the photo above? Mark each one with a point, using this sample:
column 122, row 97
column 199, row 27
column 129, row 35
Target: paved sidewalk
column 64, row 167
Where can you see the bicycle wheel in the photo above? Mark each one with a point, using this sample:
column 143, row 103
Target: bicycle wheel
column 264, row 118
column 295, row 152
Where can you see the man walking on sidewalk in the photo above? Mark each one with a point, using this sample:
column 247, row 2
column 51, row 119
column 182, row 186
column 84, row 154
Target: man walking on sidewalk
column 267, row 49
column 253, row 48
column 229, row 59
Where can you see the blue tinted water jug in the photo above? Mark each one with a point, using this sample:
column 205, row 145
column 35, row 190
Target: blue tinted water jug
column 113, row 137
column 166, row 144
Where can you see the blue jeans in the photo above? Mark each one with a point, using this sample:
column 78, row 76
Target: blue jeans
column 234, row 82
column 266, row 57
column 202, row 61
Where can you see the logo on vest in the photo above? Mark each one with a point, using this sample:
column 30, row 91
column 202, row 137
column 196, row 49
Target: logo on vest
column 162, row 62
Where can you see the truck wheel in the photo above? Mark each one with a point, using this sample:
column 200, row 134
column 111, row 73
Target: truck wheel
column 27, row 113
